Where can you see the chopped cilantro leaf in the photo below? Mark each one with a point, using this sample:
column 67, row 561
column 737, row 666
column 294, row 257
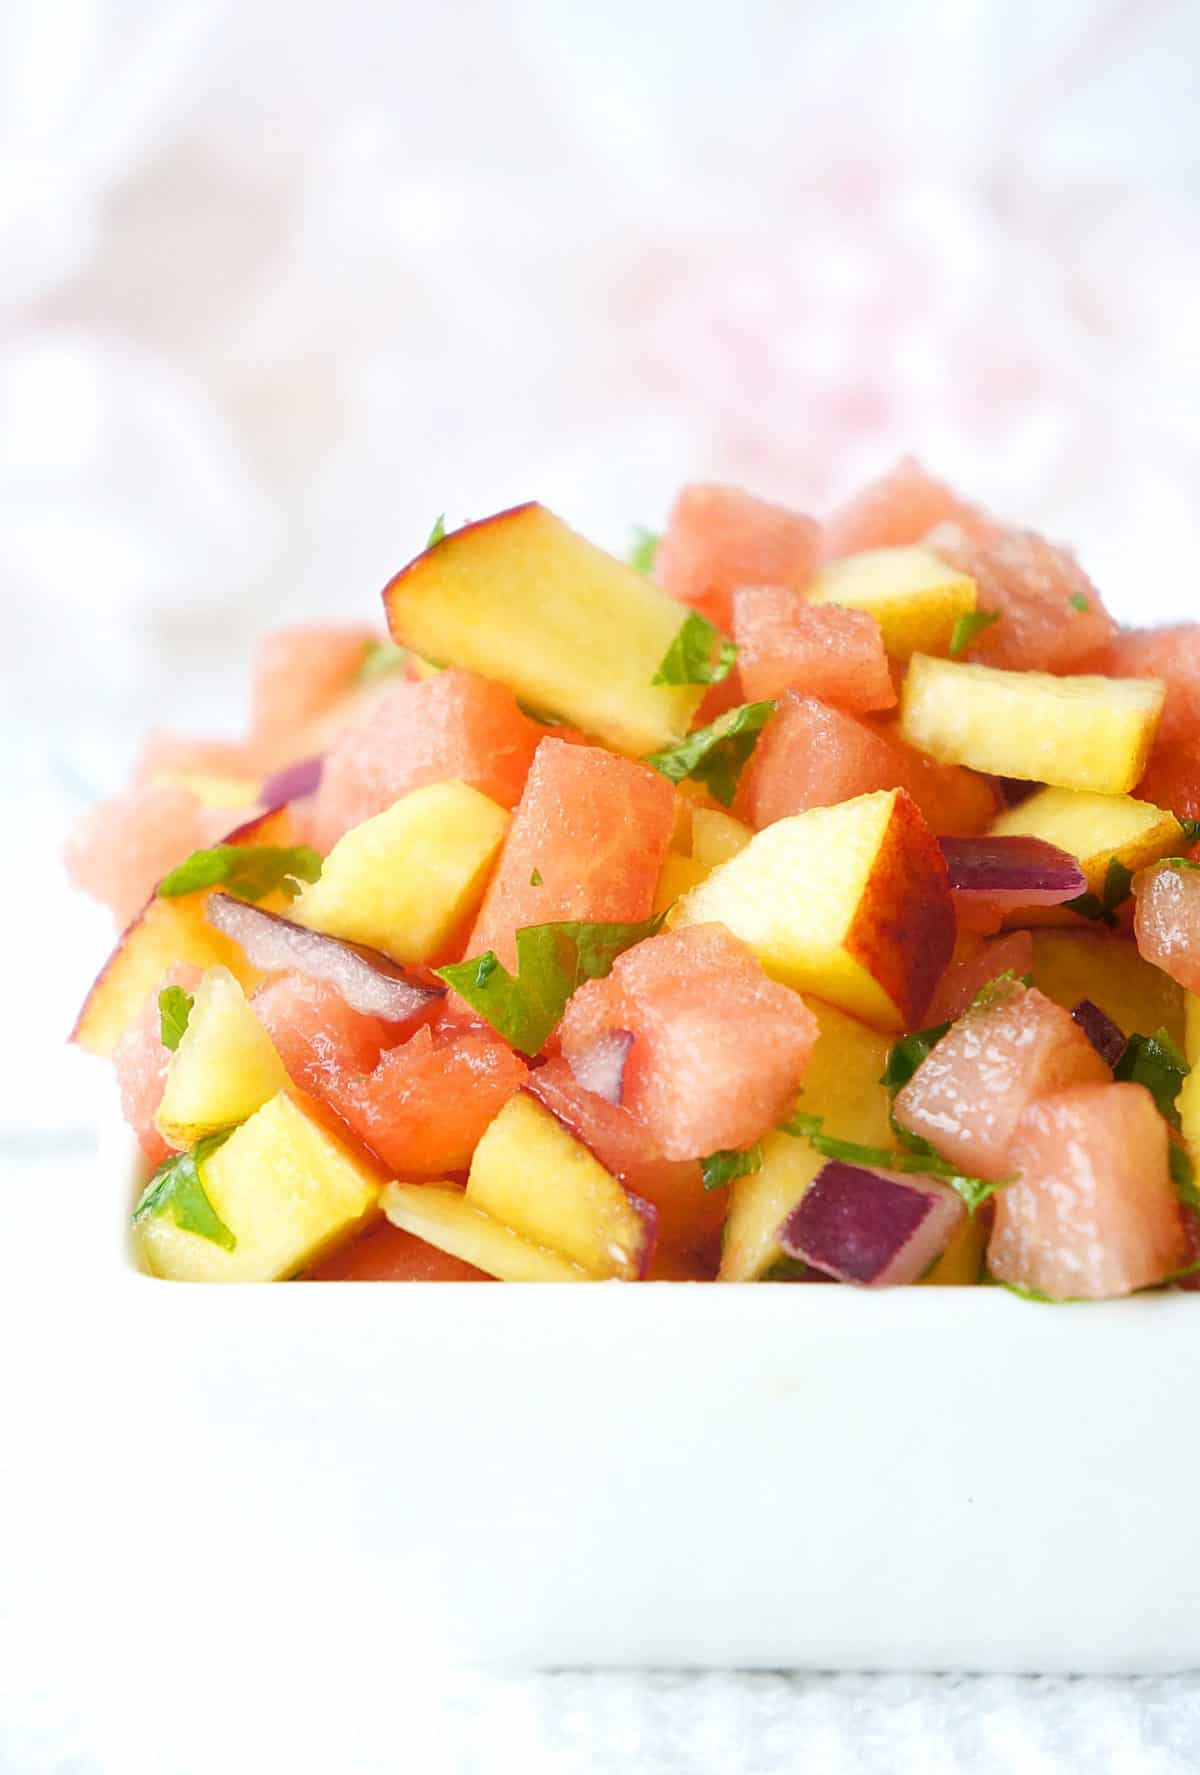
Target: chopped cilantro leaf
column 908, row 1053
column 1102, row 907
column 438, row 533
column 1177, row 863
column 177, row 1189
column 174, row 1009
column 552, row 960
column 535, row 880
column 380, row 658
column 689, row 658
column 714, row 755
column 970, row 624
column 991, row 990
column 1191, row 828
column 645, row 547
column 1155, row 1061
column 1079, row 601
column 251, row 871
column 914, row 1156
column 1183, row 1176
column 721, row 1168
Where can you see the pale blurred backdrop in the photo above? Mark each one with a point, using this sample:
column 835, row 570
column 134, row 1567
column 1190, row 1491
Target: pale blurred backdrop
column 281, row 282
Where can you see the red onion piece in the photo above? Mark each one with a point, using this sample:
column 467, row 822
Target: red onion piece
column 875, row 1228
column 1013, row 871
column 601, row 1067
column 369, row 981
column 1107, row 1037
column 293, row 782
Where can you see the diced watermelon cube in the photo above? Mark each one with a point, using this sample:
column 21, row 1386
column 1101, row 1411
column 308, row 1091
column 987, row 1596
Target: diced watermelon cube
column 1172, row 654
column 719, row 538
column 385, row 1253
column 968, row 1095
column 319, row 1038
column 812, row 755
column 901, row 507
column 1051, row 618
column 786, row 644
column 718, row 1051
column 300, row 672
column 164, row 753
column 588, row 841
column 140, row 1061
column 957, row 987
column 119, row 850
column 1092, row 1214
column 1172, row 778
column 425, row 1106
column 689, row 1216
column 454, row 725
column 1166, row 921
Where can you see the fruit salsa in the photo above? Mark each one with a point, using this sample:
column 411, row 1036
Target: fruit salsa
column 794, row 901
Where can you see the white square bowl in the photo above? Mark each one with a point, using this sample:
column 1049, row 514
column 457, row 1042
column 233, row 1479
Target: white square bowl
column 664, row 1475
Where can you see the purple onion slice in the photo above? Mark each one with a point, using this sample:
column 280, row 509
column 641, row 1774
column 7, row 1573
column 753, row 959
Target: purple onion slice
column 1015, row 870
column 1107, row 1037
column 367, row 980
column 601, row 1067
column 874, row 1228
column 292, row 783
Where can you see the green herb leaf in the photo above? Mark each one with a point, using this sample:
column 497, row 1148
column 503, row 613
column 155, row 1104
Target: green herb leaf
column 174, row 1009
column 552, row 960
column 1079, row 601
column 380, row 658
column 991, row 990
column 721, row 1168
column 914, row 1156
column 689, row 658
column 645, row 547
column 177, row 1189
column 1155, row 1061
column 908, row 1053
column 535, row 880
column 1183, row 1176
column 1102, row 908
column 1177, row 863
column 790, row 1269
column 1191, row 828
column 438, row 533
column 251, row 871
column 714, row 755
column 970, row 624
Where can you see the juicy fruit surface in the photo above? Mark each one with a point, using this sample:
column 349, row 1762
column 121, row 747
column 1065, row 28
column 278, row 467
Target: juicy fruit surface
column 785, row 644
column 588, row 841
column 1071, row 965
column 1050, row 615
column 386, row 1254
column 1095, row 829
column 899, row 508
column 452, row 726
column 720, row 538
column 694, row 1089
column 1092, row 1215
column 425, row 1105
column 140, row 1062
column 316, row 1034
column 1167, row 922
column 968, row 1095
column 123, row 847
column 300, row 673
column 915, row 596
column 851, row 903
column 224, row 1068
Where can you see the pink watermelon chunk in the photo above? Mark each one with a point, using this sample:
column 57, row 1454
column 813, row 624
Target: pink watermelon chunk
column 1172, row 654
column 1166, row 921
column 1093, row 1214
column 812, row 755
column 901, row 507
column 588, row 841
column 719, row 538
column 119, row 850
column 140, row 1061
column 957, row 987
column 786, row 644
column 453, row 725
column 968, row 1095
column 424, row 1107
column 718, row 1051
column 689, row 1216
column 300, row 672
column 1172, row 778
column 316, row 1034
column 164, row 753
column 384, row 1253
column 1051, row 618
